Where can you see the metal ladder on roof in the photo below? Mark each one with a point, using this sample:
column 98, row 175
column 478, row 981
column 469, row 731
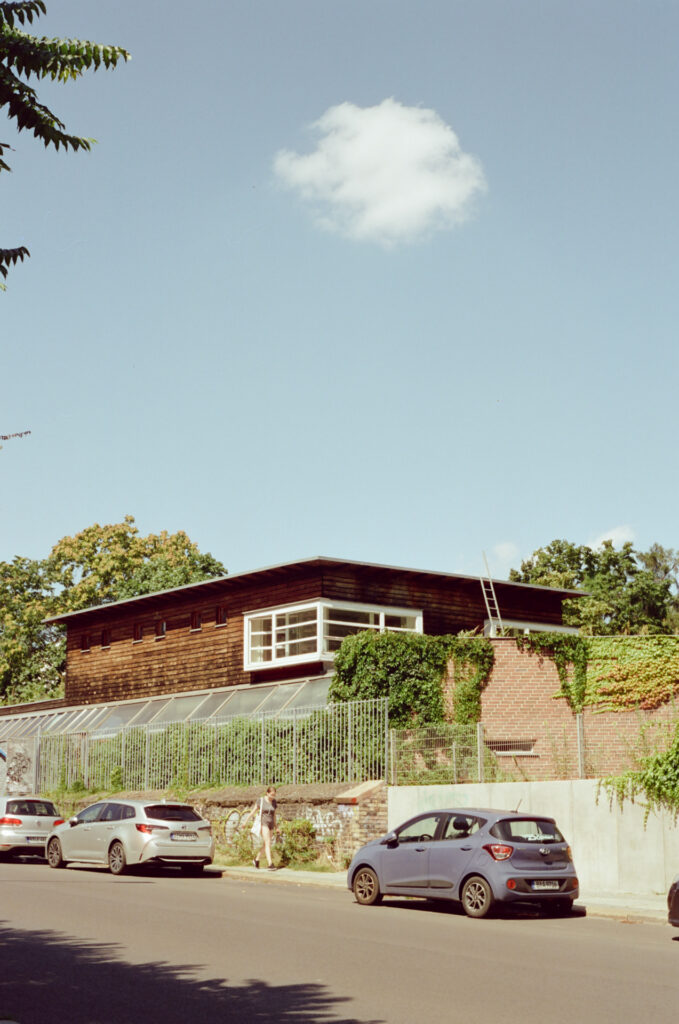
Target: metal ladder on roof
column 490, row 599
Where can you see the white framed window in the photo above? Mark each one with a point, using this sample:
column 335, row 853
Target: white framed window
column 314, row 631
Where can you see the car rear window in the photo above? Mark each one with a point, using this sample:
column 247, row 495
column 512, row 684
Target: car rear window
column 172, row 812
column 38, row 808
column 527, row 830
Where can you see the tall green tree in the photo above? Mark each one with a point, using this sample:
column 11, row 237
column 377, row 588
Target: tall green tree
column 98, row 565
column 24, row 57
column 627, row 592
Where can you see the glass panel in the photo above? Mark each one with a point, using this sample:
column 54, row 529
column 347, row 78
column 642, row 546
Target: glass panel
column 94, row 720
column 279, row 696
column 10, row 726
column 179, row 709
column 244, row 702
column 90, row 716
column 360, row 618
column 151, row 709
column 119, row 716
column 314, row 693
column 62, row 723
column 33, row 724
column 408, row 622
column 209, row 706
column 296, row 647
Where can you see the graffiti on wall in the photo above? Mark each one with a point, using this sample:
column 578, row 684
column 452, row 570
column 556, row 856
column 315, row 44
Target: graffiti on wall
column 16, row 767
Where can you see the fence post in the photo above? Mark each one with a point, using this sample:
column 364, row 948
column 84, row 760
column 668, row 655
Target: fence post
column 454, row 762
column 86, row 759
column 350, row 776
column 385, row 709
column 147, row 757
column 480, row 750
column 294, row 746
column 580, row 732
column 393, row 759
column 122, row 757
column 261, row 770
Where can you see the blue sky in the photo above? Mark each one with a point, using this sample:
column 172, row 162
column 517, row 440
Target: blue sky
column 385, row 280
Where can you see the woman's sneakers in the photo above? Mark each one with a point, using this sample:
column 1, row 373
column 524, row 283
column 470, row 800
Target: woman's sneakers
column 272, row 867
column 255, row 863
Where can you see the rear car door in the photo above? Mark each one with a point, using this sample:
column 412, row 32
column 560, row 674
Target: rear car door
column 405, row 863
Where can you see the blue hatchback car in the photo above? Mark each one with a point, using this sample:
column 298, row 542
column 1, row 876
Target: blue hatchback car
column 475, row 856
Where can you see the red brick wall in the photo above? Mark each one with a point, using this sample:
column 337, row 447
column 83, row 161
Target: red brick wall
column 521, row 702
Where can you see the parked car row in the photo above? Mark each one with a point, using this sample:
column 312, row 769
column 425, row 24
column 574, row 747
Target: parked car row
column 475, row 856
column 116, row 833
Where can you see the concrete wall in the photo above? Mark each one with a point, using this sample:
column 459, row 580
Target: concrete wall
column 612, row 850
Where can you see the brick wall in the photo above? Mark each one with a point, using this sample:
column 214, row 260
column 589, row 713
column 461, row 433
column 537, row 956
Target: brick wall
column 521, row 702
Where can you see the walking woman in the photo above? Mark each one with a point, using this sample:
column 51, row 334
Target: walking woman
column 265, row 808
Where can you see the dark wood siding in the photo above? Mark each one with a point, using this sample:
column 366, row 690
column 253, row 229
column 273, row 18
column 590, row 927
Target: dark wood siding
column 212, row 656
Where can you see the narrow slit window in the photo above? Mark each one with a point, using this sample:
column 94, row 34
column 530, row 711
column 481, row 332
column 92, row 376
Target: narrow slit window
column 138, row 633
column 105, row 638
column 220, row 615
column 85, row 643
column 161, row 629
column 196, row 622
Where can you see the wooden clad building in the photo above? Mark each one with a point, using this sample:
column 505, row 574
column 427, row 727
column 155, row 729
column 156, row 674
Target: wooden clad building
column 280, row 623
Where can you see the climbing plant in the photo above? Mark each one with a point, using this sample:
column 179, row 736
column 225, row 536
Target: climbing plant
column 570, row 655
column 409, row 670
column 655, row 783
column 630, row 672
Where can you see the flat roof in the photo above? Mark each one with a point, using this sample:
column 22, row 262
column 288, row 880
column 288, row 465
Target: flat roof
column 316, row 561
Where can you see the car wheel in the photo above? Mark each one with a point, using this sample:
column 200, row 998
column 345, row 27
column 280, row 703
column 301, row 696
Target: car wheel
column 116, row 859
column 366, row 887
column 54, row 855
column 477, row 897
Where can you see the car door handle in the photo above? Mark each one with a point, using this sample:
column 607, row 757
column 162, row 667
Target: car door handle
column 466, row 847
column 420, row 849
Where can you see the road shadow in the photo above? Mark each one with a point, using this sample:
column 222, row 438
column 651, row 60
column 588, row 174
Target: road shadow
column 500, row 911
column 49, row 976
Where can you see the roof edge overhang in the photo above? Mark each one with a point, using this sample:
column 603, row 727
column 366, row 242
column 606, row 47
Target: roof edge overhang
column 314, row 562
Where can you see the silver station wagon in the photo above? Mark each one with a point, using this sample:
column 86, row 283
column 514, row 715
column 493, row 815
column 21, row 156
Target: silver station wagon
column 475, row 856
column 125, row 833
column 25, row 823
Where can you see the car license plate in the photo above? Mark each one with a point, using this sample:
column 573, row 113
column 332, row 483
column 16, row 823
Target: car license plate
column 35, row 839
column 183, row 836
column 545, row 884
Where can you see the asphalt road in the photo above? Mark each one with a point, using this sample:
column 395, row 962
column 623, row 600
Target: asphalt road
column 83, row 947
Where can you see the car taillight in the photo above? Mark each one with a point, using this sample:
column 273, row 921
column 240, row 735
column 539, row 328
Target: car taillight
column 499, row 851
column 58, row 821
column 11, row 821
column 569, row 853
column 141, row 826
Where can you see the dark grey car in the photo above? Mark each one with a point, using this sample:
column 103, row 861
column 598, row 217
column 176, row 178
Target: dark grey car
column 477, row 856
column 673, row 903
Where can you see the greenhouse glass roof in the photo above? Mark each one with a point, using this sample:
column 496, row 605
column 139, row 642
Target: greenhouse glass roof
column 211, row 705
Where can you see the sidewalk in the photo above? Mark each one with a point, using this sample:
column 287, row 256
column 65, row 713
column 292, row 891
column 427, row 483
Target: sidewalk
column 620, row 906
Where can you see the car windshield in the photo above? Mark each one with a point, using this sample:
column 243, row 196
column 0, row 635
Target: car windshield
column 39, row 808
column 527, row 830
column 172, row 812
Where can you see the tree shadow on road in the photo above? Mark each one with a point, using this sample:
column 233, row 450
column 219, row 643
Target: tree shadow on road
column 46, row 976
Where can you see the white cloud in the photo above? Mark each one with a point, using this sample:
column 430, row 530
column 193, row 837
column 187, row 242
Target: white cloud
column 618, row 534
column 386, row 174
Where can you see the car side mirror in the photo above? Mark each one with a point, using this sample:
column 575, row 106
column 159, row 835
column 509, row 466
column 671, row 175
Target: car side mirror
column 391, row 839
column 75, row 820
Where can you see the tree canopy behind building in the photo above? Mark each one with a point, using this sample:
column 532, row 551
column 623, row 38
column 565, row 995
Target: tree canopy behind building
column 96, row 566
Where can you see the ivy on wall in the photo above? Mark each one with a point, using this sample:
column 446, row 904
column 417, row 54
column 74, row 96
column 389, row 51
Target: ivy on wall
column 409, row 670
column 611, row 673
column 628, row 672
column 570, row 655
